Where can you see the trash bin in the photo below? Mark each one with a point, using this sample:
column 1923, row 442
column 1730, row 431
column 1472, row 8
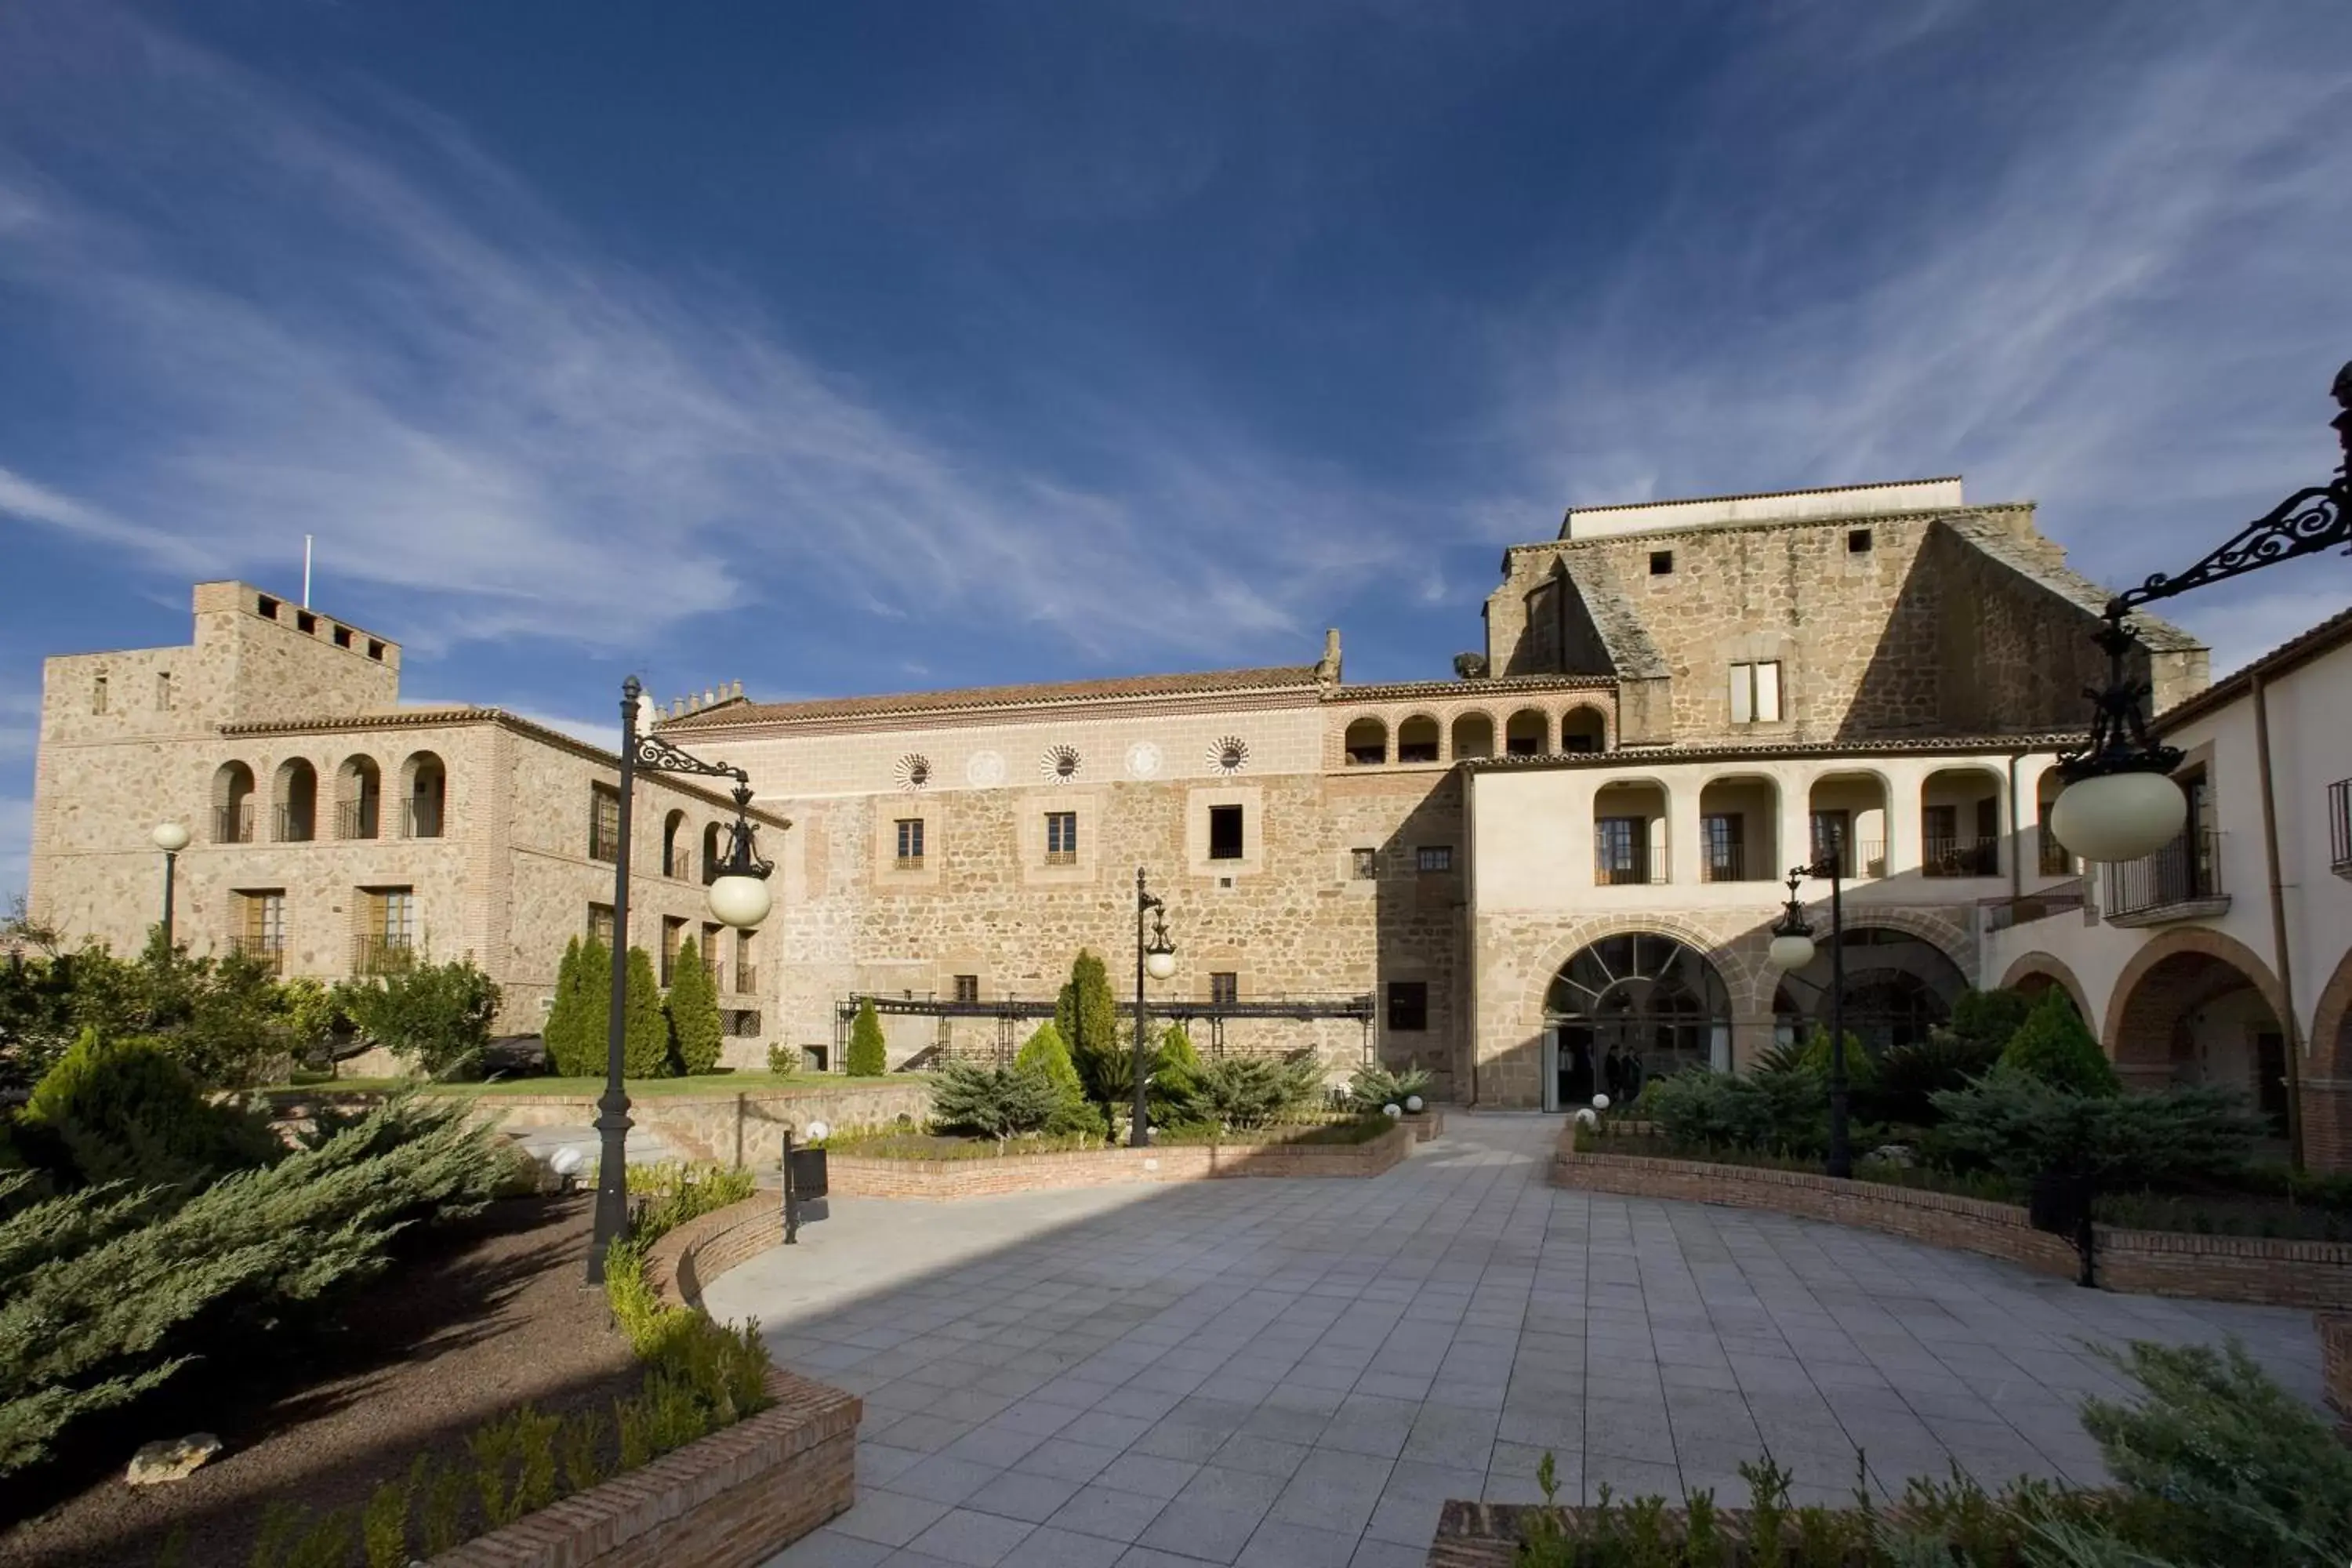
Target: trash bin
column 808, row 1173
column 2059, row 1202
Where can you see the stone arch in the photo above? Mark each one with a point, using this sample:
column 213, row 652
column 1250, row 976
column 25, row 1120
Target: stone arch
column 1583, row 728
column 2327, row 1080
column 359, row 797
column 232, row 788
column 1365, row 743
column 2173, row 974
column 1527, row 733
column 2033, row 972
column 1892, row 995
column 673, row 842
column 1736, row 967
column 1418, row 739
column 424, row 796
column 294, row 798
column 714, row 851
column 1474, row 734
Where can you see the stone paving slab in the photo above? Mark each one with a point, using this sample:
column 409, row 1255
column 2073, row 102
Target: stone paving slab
column 1299, row 1372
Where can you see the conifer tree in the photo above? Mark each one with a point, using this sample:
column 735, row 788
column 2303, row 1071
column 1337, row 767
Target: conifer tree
column 2054, row 1046
column 644, row 1038
column 561, row 1033
column 869, row 1053
column 696, row 1033
column 1085, row 1013
column 1045, row 1056
column 595, row 1010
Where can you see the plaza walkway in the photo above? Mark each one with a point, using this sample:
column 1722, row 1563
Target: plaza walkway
column 1299, row 1373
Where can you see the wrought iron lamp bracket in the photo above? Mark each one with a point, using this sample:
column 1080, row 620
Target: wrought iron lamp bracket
column 651, row 754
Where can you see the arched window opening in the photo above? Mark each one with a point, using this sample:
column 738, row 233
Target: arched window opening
column 359, row 799
column 232, row 804
column 425, row 796
column 1959, row 823
column 1848, row 818
column 1626, row 1009
column 1474, row 736
column 2055, row 859
column 1417, row 740
column 1527, row 733
column 1897, row 988
column 1738, row 831
column 1583, row 728
column 1629, row 835
column 677, row 858
column 1365, row 743
column 297, row 802
column 714, row 851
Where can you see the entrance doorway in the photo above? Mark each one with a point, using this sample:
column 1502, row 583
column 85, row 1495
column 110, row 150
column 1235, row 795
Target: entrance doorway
column 1628, row 1009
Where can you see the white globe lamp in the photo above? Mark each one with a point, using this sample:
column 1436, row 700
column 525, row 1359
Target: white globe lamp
column 739, row 900
column 817, row 1132
column 170, row 838
column 1599, row 1102
column 1412, row 1103
column 1791, row 951
column 2119, row 817
column 1588, row 1117
column 1159, row 966
column 1391, row 1111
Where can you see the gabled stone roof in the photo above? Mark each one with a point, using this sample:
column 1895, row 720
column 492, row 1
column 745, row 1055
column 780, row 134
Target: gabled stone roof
column 2047, row 566
column 985, row 699
column 1631, row 652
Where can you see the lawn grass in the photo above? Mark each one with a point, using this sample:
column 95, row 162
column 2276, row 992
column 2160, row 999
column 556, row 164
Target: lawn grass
column 718, row 1083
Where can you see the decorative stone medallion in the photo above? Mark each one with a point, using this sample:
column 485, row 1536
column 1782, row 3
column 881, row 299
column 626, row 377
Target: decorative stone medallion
column 986, row 770
column 1143, row 759
column 1229, row 755
column 912, row 771
column 1059, row 766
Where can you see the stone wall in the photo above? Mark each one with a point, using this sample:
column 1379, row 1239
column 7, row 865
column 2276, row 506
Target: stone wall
column 741, row 1128
column 849, row 1175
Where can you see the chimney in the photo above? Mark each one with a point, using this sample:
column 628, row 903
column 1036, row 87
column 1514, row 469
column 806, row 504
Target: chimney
column 1326, row 673
column 738, row 690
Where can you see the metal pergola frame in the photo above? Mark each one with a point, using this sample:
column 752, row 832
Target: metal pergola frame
column 1010, row 1012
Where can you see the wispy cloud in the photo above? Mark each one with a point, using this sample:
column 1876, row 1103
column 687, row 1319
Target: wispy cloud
column 2099, row 266
column 373, row 332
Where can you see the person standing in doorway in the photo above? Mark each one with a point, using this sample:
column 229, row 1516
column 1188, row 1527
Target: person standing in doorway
column 1612, row 1074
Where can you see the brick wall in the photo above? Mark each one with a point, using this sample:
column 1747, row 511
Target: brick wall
column 2335, row 1359
column 734, row 1498
column 2156, row 1263
column 690, row 1257
column 851, row 1176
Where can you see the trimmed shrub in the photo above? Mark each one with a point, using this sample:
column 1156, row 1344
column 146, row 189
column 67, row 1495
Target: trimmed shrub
column 1175, row 1086
column 645, row 1039
column 436, row 1016
column 869, row 1053
column 1910, row 1076
column 1045, row 1055
column 1861, row 1067
column 1375, row 1088
column 567, row 1020
column 992, row 1102
column 125, row 1110
column 577, row 1046
column 2055, row 1046
column 2018, row 1124
column 1248, row 1093
column 695, row 1032
column 1699, row 1109
column 1989, row 1018
column 1085, row 1013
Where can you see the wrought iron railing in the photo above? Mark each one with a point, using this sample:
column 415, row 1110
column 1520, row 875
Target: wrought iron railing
column 2055, row 859
column 234, row 823
column 357, row 818
column 268, row 951
column 423, row 818
column 1856, row 858
column 297, row 824
column 1960, row 857
column 1617, row 866
column 2186, row 871
column 1734, row 863
column 381, row 952
column 1061, row 857
column 909, row 863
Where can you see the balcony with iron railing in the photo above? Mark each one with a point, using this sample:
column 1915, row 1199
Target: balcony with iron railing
column 357, row 818
column 2182, row 881
column 1856, row 859
column 1735, row 863
column 381, row 952
column 1061, row 857
column 234, row 823
column 296, row 824
column 1622, row 866
column 421, row 818
column 2054, row 858
column 1960, row 858
column 268, row 951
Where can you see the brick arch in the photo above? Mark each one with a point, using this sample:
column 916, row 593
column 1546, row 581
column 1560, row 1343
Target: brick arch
column 2331, row 1024
column 2051, row 970
column 2157, row 985
column 2327, row 1109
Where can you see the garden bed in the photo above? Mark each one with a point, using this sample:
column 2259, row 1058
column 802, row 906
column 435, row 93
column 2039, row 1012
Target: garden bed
column 471, row 1320
column 920, row 1167
column 2272, row 1272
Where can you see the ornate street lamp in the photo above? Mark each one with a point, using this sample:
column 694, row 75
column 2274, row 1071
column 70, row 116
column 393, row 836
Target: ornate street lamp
column 739, row 897
column 2120, row 802
column 1157, row 958
column 170, row 838
column 1791, row 950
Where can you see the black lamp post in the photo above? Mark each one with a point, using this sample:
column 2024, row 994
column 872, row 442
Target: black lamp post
column 1158, row 957
column 2120, row 802
column 1792, row 949
column 170, row 838
column 739, row 897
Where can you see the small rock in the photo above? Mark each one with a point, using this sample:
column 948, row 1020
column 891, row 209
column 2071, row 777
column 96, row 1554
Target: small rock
column 170, row 1461
column 1898, row 1154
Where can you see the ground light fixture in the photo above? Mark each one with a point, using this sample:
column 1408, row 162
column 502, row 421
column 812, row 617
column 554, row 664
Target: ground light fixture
column 170, row 838
column 2120, row 802
column 1792, row 949
column 1155, row 955
column 739, row 897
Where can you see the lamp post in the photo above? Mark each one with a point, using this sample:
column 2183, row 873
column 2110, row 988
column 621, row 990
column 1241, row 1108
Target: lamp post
column 170, row 838
column 1157, row 958
column 1791, row 950
column 739, row 897
column 2120, row 802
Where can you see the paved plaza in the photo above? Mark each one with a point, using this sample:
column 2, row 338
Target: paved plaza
column 1299, row 1372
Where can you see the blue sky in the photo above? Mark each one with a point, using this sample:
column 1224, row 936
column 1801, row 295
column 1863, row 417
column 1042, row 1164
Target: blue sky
column 871, row 347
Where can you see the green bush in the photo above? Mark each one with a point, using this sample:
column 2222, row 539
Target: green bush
column 992, row 1102
column 645, row 1039
column 1375, row 1088
column 1861, row 1067
column 1085, row 1015
column 436, row 1016
column 1910, row 1076
column 1174, row 1091
column 2021, row 1125
column 784, row 1060
column 668, row 1193
column 567, row 1016
column 2054, row 1046
column 1989, row 1018
column 1045, row 1055
column 125, row 1110
column 696, row 1033
column 869, row 1053
column 1247, row 1092
column 1787, row 1111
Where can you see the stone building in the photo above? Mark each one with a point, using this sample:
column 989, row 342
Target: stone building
column 333, row 830
column 1575, row 843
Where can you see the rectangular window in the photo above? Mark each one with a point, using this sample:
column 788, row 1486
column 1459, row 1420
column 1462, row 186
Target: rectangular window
column 262, row 936
column 389, row 936
column 1409, row 1005
column 1756, row 694
column 673, row 939
column 98, row 695
column 1662, row 562
column 600, row 923
column 343, row 635
column 1061, row 838
column 1224, row 987
column 163, row 692
column 604, row 823
column 1434, row 860
column 911, row 842
column 967, row 987
column 1726, row 854
column 1225, row 833
column 1363, row 864
column 1857, row 542
column 1620, row 847
column 747, row 972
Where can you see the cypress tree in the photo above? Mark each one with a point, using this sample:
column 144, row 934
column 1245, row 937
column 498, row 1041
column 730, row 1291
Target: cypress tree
column 644, row 1038
column 2054, row 1046
column 595, row 1010
column 561, row 1033
column 869, row 1053
column 696, row 1033
column 1085, row 1012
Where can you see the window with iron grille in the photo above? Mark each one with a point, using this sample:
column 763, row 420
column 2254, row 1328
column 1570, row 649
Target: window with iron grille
column 1225, row 833
column 1061, row 837
column 967, row 987
column 1224, row 987
column 910, row 841
column 1726, row 854
column 1363, row 864
column 1409, row 1005
column 600, row 923
column 1434, row 860
column 604, row 823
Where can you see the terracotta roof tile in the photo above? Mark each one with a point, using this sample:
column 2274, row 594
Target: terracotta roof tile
column 981, row 697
